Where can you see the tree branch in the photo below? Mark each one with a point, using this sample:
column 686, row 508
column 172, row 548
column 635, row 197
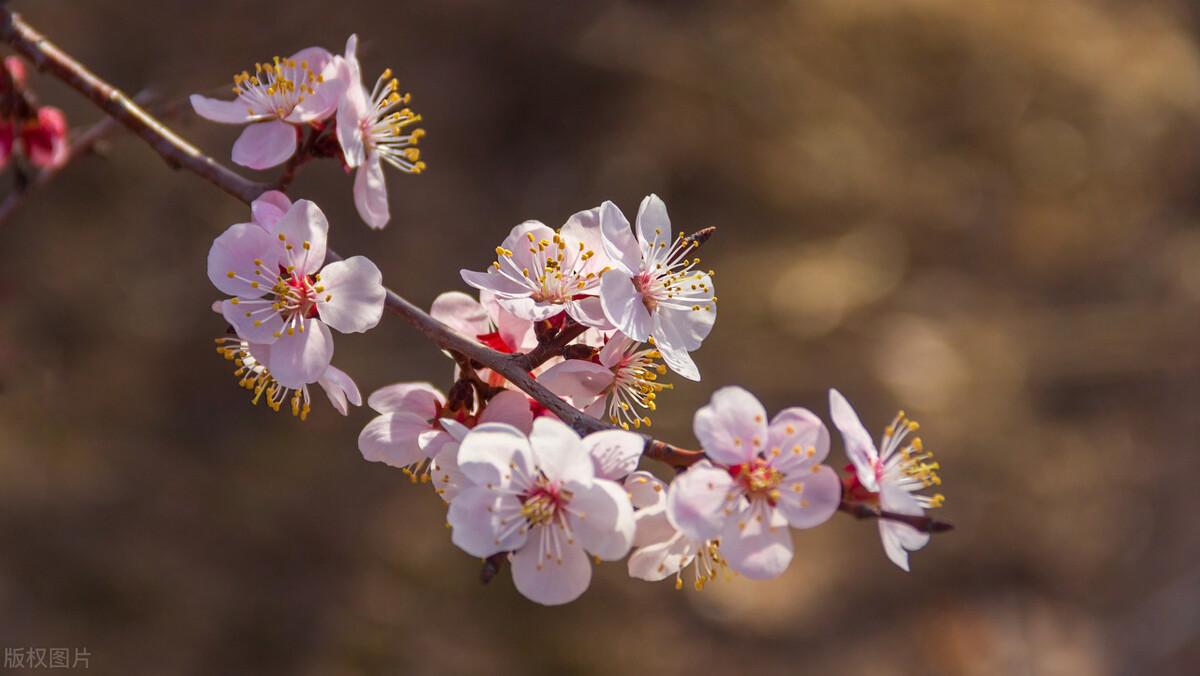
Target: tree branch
column 924, row 524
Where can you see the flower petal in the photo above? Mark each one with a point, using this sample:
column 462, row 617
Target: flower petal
column 601, row 517
column 794, row 432
column 618, row 240
column 236, row 251
column 653, row 526
column 589, row 312
column 697, row 499
column 732, row 428
column 859, row 446
column 899, row 539
column 623, row 305
column 331, row 85
column 559, row 453
column 370, row 192
column 661, row 559
column 511, row 408
column 494, row 454
column 615, row 453
column 460, row 312
column 809, row 498
column 476, row 515
column 678, row 360
column 393, row 439
column 687, row 328
column 550, row 581
column 341, row 389
column 353, row 107
column 652, row 222
column 645, row 490
column 578, row 380
column 448, row 479
column 226, row 112
column 353, row 298
column 303, row 232
column 421, row 399
column 268, row 208
column 494, row 282
column 263, row 145
column 250, row 324
column 760, row 550
column 301, row 357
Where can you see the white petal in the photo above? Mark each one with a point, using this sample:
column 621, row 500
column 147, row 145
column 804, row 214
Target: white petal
column 341, row 389
column 227, row 112
column 511, row 408
column 529, row 309
column 352, row 301
column 370, row 192
column 859, row 446
column 263, row 328
column 760, row 550
column 589, row 312
column 268, row 208
column 301, row 358
column 899, row 539
column 795, row 431
column 494, row 454
column 559, row 452
column 646, row 491
column 475, row 518
column 732, row 428
column 697, row 500
column 421, row 399
column 653, row 525
column 578, row 380
column 623, row 305
column 601, row 517
column 547, row 580
column 662, row 559
column 686, row 328
column 652, row 221
column 494, row 282
column 615, row 453
column 323, row 102
column 448, row 479
column 304, row 223
column 816, row 500
column 460, row 312
column 235, row 250
column 263, row 145
column 393, row 439
column 678, row 360
column 618, row 239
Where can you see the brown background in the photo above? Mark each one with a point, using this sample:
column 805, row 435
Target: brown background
column 982, row 211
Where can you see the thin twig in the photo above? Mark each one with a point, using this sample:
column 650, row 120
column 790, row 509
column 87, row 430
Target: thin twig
column 924, row 524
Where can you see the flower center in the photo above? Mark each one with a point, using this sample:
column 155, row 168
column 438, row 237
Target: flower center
column 917, row 469
column 758, row 479
column 635, row 387
column 559, row 268
column 275, row 88
column 543, row 503
column 670, row 279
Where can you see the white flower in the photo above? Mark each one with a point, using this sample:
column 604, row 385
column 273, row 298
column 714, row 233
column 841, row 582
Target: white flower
column 302, row 89
column 762, row 478
column 255, row 377
column 891, row 474
column 539, row 272
column 660, row 549
column 654, row 290
column 371, row 131
column 539, row 498
column 621, row 384
column 486, row 322
column 282, row 295
column 410, row 428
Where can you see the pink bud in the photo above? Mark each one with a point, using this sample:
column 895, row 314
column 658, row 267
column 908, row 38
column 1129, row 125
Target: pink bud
column 45, row 139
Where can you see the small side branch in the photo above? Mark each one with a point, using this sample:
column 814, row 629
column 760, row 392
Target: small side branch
column 924, row 524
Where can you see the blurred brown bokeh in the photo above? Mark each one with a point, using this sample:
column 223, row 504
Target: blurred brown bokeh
column 983, row 211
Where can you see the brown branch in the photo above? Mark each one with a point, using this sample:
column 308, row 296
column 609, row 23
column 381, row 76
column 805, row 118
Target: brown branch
column 924, row 524
column 180, row 154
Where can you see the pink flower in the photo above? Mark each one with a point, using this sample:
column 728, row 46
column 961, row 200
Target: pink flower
column 763, row 478
column 622, row 384
column 891, row 476
column 44, row 139
column 485, row 321
column 654, row 290
column 409, row 429
column 254, row 376
column 371, row 131
column 282, row 295
column 538, row 497
column 280, row 94
column 661, row 549
column 539, row 273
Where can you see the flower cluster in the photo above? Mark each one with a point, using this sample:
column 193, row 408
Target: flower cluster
column 39, row 133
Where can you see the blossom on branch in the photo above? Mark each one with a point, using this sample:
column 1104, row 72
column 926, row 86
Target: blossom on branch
column 890, row 475
column 279, row 95
column 763, row 477
column 539, row 497
column 660, row 548
column 372, row 131
column 485, row 322
column 654, row 290
column 283, row 297
column 620, row 384
column 254, row 376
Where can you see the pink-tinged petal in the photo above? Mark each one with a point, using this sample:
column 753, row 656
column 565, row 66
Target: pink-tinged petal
column 697, row 500
column 420, row 399
column 519, row 243
column 455, row 429
column 393, row 439
column 662, row 559
column 590, row 312
column 268, row 208
column 760, row 550
column 578, row 380
column 615, row 453
column 301, row 357
column 596, row 408
column 341, row 389
column 623, row 305
column 305, row 230
column 516, row 333
column 584, row 228
column 900, row 539
column 529, row 309
column 646, row 491
column 370, row 192
column 263, row 145
column 448, row 479
column 324, row 100
column 352, row 301
column 653, row 526
column 559, row 452
column 225, row 112
column 678, row 360
column 235, row 250
column 475, row 516
column 460, row 312
column 732, row 428
column 511, row 408
column 550, row 581
column 796, row 432
column 601, row 518
column 494, row 282
column 353, row 108
column 859, row 446
column 686, row 328
column 809, row 498
column 652, row 222
column 618, row 240
column 488, row 454
column 251, row 324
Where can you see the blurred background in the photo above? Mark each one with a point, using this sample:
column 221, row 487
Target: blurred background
column 984, row 212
